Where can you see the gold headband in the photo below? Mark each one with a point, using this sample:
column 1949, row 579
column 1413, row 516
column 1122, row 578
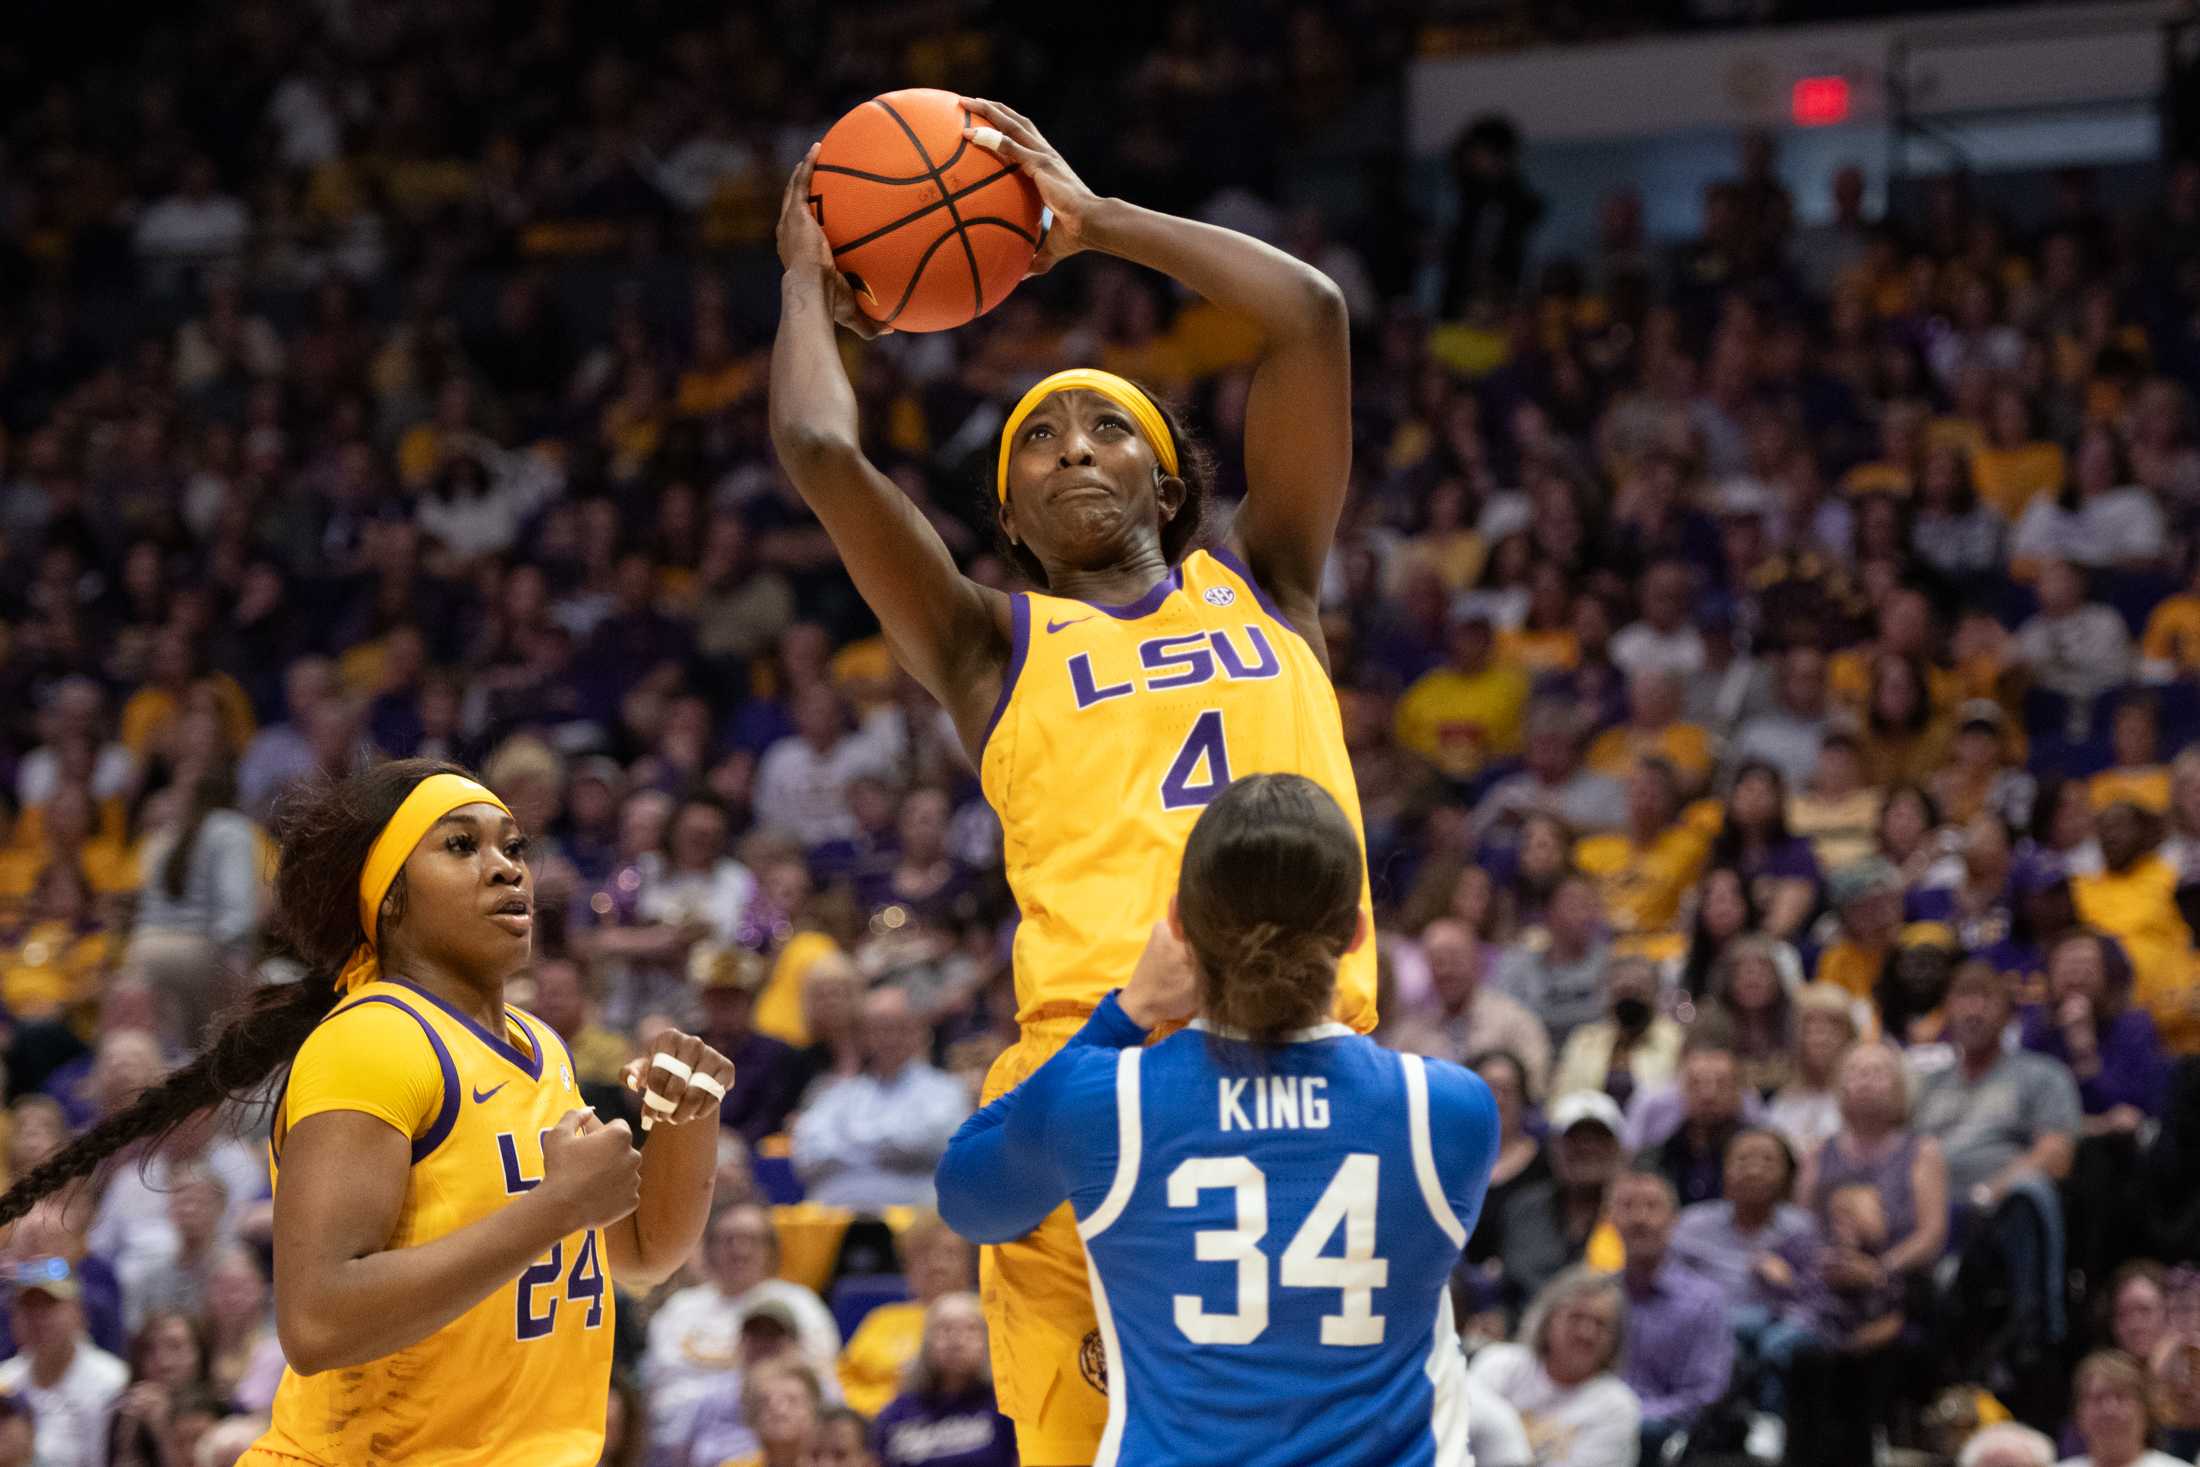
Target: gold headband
column 1124, row 393
column 431, row 799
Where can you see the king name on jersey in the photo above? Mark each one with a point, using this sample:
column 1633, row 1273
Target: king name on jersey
column 1274, row 1103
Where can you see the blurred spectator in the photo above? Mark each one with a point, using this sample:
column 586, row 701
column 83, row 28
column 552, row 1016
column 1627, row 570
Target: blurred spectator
column 70, row 1384
column 1464, row 715
column 2114, row 1413
column 947, row 1414
column 802, row 781
column 2007, row 1444
column 74, row 714
column 1476, row 1017
column 1496, row 213
column 1554, row 781
column 1788, row 736
column 2008, row 1123
column 1876, row 1147
column 1680, row 1350
column 1807, row 1109
column 872, row 1140
column 695, row 1336
column 562, row 999
column 768, row 1075
column 1562, row 1376
column 937, row 1263
column 1522, row 1158
column 1711, row 1116
column 1561, row 980
column 1542, row 1227
column 1634, row 1048
column 1754, row 840
column 2072, row 647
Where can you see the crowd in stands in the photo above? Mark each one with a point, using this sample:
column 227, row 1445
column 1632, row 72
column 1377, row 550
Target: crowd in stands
column 1769, row 662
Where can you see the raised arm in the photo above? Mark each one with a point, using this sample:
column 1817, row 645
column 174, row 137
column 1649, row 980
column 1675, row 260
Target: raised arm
column 948, row 631
column 1298, row 422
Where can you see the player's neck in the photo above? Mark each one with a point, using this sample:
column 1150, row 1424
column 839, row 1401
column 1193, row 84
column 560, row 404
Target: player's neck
column 1113, row 585
column 483, row 1004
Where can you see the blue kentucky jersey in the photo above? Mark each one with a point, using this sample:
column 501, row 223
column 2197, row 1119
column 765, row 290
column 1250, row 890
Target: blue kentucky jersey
column 1270, row 1237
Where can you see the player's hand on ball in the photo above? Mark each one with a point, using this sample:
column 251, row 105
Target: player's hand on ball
column 1164, row 988
column 590, row 1170
column 803, row 249
column 1010, row 135
column 681, row 1079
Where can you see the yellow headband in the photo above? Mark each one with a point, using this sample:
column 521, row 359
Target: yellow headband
column 1118, row 390
column 431, row 799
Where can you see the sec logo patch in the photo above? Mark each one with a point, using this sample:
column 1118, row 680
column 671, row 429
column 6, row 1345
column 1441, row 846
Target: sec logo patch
column 1220, row 596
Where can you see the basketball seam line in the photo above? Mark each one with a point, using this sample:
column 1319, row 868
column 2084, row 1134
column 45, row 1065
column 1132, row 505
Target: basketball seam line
column 962, row 193
column 970, row 256
column 1008, row 224
column 916, row 274
column 847, row 172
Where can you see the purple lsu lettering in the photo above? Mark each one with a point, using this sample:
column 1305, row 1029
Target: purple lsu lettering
column 1185, row 660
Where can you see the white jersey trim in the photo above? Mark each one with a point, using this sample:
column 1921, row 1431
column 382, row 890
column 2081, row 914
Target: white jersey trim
column 1119, row 1386
column 1447, row 1374
column 1129, row 1138
column 1424, row 1151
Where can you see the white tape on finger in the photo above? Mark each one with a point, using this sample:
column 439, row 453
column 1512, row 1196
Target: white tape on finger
column 678, row 1069
column 658, row 1103
column 709, row 1086
column 988, row 138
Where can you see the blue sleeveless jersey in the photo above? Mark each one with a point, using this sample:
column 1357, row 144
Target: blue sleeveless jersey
column 1270, row 1241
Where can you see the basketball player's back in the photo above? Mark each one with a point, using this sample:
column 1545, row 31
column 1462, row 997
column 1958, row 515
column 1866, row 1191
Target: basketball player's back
column 1271, row 1240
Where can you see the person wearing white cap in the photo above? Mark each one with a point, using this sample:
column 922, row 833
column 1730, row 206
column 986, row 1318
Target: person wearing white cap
column 1543, row 1226
column 70, row 1383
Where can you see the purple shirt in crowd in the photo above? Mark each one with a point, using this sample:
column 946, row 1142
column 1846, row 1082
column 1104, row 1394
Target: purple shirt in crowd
column 944, row 1431
column 2133, row 1069
column 1680, row 1349
column 1706, row 1242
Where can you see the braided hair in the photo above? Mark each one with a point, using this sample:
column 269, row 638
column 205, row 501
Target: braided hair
column 323, row 832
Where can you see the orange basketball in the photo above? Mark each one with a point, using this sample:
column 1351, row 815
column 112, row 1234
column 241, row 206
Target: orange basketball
column 931, row 229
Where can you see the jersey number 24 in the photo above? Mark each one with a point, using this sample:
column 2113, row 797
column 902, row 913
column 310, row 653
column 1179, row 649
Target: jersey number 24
column 1348, row 1201
column 583, row 1285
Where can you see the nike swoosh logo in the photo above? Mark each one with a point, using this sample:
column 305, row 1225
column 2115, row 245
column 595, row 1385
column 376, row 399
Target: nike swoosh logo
column 1055, row 626
column 482, row 1095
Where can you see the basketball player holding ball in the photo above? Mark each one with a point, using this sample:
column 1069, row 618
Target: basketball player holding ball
column 1105, row 709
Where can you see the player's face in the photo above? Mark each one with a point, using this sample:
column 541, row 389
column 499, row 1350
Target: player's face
column 1084, row 489
column 469, row 907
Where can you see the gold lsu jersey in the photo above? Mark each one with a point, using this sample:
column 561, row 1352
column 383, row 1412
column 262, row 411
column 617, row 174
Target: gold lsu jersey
column 522, row 1377
column 1116, row 726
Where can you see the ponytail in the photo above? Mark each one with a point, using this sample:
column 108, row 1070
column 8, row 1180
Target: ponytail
column 263, row 1037
column 1276, row 982
column 1269, row 899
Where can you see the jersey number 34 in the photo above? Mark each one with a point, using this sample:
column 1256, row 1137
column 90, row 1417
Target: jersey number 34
column 1348, row 1201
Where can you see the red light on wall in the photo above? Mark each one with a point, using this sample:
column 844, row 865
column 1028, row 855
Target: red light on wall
column 1819, row 101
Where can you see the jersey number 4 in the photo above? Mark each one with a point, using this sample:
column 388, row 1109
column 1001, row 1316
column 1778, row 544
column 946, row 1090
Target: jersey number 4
column 1201, row 768
column 584, row 1284
column 1348, row 1201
